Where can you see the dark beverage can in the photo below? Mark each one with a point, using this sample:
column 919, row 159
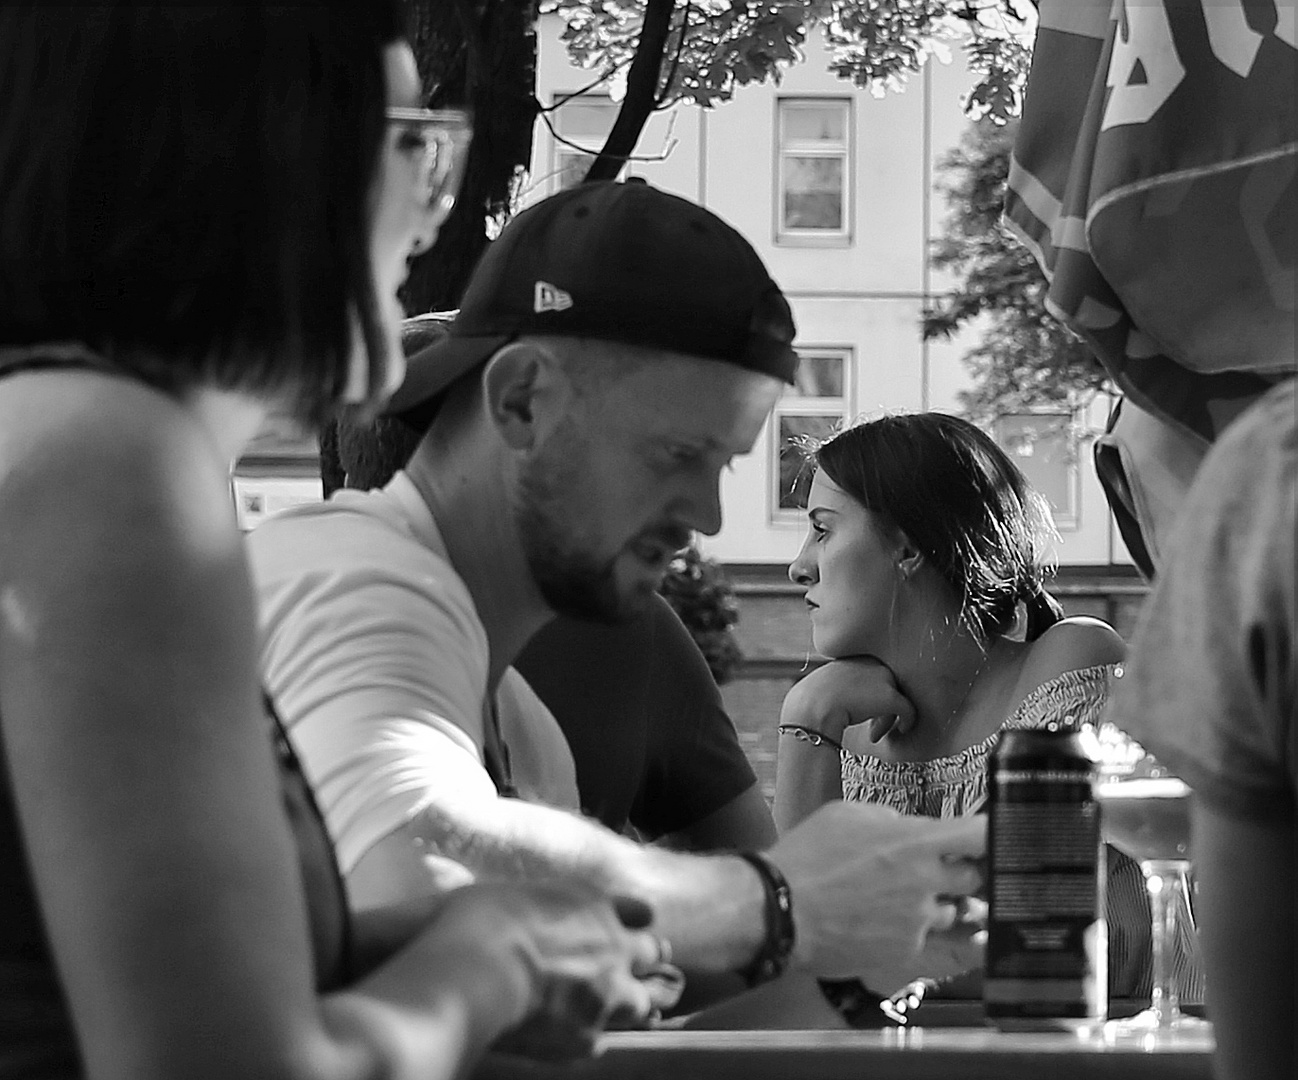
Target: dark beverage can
column 1047, row 940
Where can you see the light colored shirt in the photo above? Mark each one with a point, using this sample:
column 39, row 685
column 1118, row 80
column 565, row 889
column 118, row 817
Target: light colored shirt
column 377, row 661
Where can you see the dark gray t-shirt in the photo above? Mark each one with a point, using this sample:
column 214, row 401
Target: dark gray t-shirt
column 1210, row 685
column 649, row 734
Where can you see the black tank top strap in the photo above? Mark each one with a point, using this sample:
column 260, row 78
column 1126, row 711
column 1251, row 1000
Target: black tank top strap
column 322, row 880
column 50, row 355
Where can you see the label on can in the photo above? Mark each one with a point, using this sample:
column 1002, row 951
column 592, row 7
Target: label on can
column 1047, row 942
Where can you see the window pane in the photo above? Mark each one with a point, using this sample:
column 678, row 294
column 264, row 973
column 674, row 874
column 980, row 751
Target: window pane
column 571, row 167
column 585, row 121
column 1041, row 446
column 795, row 433
column 819, row 375
column 813, row 193
column 586, row 117
column 815, row 122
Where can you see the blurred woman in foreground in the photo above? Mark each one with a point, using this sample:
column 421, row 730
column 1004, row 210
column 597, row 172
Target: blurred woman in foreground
column 205, row 214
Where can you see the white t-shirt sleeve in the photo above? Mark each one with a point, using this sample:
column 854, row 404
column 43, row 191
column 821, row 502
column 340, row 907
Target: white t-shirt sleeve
column 377, row 662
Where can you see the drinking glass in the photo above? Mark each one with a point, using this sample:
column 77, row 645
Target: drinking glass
column 1145, row 813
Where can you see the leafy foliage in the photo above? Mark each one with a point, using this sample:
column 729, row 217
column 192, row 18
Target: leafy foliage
column 712, row 47
column 716, row 46
column 876, row 43
column 1001, row 64
column 700, row 593
column 1026, row 357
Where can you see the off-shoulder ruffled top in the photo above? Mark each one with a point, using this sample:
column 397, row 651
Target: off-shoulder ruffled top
column 955, row 785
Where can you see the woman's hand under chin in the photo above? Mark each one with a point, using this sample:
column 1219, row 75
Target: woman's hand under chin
column 847, row 692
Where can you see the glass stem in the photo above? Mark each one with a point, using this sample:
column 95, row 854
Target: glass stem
column 1163, row 880
column 1187, row 888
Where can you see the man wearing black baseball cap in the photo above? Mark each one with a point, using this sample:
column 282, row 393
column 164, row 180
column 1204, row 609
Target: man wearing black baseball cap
column 623, row 263
column 616, row 347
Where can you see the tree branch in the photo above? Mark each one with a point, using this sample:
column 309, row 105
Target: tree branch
column 676, row 59
column 584, row 90
column 670, row 144
column 641, row 89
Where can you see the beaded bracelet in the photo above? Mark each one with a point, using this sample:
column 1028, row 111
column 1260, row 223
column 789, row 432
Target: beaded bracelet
column 808, row 735
column 773, row 957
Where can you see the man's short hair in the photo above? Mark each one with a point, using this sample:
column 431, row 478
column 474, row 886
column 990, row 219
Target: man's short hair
column 371, row 451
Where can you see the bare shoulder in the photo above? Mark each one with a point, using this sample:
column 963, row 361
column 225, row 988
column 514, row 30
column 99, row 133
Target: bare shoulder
column 1074, row 643
column 108, row 488
column 109, row 456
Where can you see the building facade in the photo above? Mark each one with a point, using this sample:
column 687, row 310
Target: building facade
column 835, row 189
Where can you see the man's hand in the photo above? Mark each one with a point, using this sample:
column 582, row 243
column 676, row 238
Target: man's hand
column 589, row 962
column 883, row 897
column 843, row 693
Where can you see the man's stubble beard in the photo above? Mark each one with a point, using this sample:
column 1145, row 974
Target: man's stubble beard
column 573, row 582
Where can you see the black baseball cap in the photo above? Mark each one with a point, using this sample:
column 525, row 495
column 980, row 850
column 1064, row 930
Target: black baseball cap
column 620, row 262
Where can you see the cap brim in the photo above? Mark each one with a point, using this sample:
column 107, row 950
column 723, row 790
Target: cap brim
column 433, row 368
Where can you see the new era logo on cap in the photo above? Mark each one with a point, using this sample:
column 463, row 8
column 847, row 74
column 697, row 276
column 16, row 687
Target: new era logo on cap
column 547, row 297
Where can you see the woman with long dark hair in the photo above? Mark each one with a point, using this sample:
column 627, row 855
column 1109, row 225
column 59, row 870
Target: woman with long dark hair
column 924, row 567
column 205, row 213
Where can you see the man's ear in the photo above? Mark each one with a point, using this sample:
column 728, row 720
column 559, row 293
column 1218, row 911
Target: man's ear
column 512, row 383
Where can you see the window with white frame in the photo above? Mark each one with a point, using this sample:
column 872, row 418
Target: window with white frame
column 813, row 408
column 1044, row 446
column 813, row 170
column 581, row 124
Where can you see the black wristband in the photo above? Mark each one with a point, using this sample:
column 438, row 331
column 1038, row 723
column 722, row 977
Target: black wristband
column 773, row 957
column 856, row 1003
